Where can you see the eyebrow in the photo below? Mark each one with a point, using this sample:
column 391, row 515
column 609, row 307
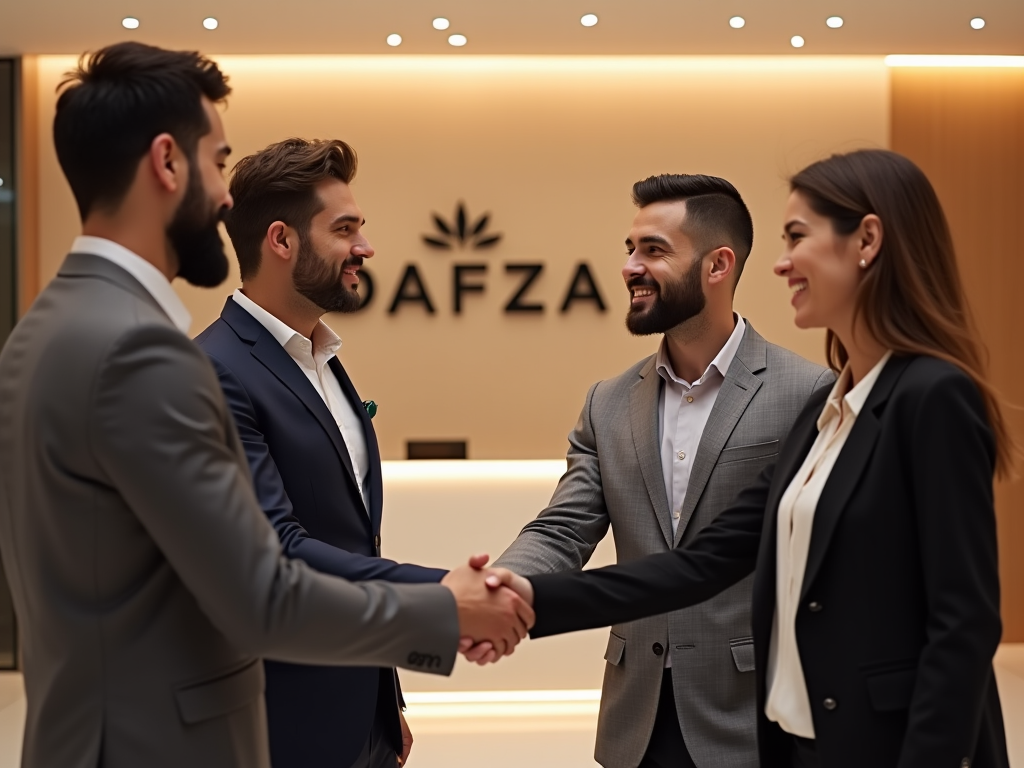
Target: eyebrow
column 347, row 218
column 655, row 239
column 792, row 223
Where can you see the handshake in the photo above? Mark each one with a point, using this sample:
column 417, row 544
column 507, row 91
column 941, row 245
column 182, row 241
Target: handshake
column 495, row 609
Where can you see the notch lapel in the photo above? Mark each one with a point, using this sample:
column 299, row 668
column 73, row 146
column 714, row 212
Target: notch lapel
column 846, row 473
column 643, row 421
column 376, row 485
column 737, row 391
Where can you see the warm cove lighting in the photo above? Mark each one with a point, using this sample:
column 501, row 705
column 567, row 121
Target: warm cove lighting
column 130, row 22
column 394, row 40
column 588, row 20
column 500, row 697
column 905, row 60
column 454, row 470
column 737, row 22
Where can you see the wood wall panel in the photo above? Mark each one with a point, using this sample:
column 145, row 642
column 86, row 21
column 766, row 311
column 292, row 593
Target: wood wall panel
column 28, row 180
column 965, row 128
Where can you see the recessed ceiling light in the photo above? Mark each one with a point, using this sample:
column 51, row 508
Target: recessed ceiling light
column 977, row 23
column 457, row 40
column 737, row 22
column 130, row 22
column 834, row 22
column 210, row 23
column 1, row 182
column 588, row 20
column 441, row 23
column 796, row 41
column 394, row 40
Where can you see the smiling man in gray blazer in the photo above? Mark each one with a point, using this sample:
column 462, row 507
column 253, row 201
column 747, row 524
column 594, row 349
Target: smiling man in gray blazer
column 146, row 579
column 657, row 453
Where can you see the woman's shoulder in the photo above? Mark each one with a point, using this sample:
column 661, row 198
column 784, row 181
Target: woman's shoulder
column 928, row 381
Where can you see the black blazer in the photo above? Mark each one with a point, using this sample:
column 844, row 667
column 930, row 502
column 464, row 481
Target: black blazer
column 899, row 615
column 317, row 716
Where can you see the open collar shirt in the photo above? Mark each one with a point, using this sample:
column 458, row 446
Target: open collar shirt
column 788, row 703
column 312, row 356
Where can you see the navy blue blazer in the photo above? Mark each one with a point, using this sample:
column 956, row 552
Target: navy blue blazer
column 317, row 716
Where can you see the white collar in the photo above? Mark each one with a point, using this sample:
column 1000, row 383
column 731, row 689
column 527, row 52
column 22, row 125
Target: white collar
column 151, row 278
column 856, row 397
column 324, row 339
column 721, row 362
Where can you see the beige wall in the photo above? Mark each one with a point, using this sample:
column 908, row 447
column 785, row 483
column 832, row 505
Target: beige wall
column 550, row 146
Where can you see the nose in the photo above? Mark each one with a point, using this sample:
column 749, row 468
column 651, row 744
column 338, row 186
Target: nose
column 783, row 266
column 228, row 201
column 363, row 249
column 632, row 268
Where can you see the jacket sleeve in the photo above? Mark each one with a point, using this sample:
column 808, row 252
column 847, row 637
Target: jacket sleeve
column 721, row 554
column 565, row 534
column 273, row 498
column 160, row 431
column 951, row 457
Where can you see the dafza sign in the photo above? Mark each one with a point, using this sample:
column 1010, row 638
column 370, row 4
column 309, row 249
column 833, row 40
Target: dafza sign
column 462, row 234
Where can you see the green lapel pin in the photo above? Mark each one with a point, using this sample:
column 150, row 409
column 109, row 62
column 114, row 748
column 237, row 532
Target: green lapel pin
column 371, row 408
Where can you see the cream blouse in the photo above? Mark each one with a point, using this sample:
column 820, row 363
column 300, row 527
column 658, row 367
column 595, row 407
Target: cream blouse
column 788, row 703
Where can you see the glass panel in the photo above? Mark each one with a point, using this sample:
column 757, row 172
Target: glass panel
column 8, row 190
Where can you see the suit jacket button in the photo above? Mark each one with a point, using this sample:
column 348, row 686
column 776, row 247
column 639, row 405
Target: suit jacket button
column 658, row 649
column 814, row 606
column 830, row 704
column 376, row 541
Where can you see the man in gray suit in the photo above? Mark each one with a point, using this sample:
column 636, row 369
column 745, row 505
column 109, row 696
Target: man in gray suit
column 145, row 576
column 657, row 453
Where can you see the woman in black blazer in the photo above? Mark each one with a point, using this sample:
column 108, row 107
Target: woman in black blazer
column 876, row 630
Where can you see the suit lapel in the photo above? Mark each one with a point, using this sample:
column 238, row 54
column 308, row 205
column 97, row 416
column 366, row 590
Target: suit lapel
column 846, row 473
column 372, row 449
column 737, row 391
column 643, row 420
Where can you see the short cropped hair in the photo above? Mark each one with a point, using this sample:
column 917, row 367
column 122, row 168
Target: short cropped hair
column 715, row 212
column 279, row 184
column 116, row 102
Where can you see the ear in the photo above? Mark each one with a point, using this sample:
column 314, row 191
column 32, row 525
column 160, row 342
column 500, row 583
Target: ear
column 723, row 263
column 869, row 238
column 282, row 241
column 168, row 162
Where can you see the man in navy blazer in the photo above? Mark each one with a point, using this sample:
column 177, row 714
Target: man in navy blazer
column 296, row 230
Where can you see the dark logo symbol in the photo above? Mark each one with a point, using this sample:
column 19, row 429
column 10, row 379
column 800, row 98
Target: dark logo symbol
column 459, row 232
column 429, row 660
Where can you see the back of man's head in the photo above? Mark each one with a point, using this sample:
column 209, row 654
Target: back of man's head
column 716, row 215
column 116, row 102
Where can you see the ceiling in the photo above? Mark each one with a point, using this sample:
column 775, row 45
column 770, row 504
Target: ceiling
column 674, row 27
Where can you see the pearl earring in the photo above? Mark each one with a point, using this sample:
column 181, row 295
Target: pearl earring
column 863, row 263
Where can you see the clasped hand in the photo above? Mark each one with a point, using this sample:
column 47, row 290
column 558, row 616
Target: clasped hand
column 495, row 609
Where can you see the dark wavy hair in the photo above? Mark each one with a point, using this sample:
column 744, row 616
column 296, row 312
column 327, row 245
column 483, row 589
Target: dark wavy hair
column 911, row 297
column 279, row 184
column 116, row 102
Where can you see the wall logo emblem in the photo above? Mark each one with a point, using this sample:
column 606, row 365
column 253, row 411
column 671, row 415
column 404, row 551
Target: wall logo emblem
column 467, row 278
column 460, row 233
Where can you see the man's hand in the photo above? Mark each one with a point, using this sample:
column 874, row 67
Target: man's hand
column 484, row 652
column 488, row 608
column 406, row 740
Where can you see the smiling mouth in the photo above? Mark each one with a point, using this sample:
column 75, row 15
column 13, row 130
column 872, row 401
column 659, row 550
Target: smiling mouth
column 641, row 293
column 798, row 287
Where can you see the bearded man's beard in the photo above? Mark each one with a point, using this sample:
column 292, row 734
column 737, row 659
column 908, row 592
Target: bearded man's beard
column 320, row 281
column 194, row 236
column 673, row 304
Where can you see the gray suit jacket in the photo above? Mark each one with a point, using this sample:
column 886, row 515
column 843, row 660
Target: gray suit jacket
column 614, row 478
column 146, row 579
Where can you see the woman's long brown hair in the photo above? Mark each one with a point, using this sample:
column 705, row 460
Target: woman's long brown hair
column 911, row 297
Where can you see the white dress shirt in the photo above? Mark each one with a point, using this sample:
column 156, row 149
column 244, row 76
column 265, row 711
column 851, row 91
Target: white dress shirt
column 788, row 703
column 312, row 357
column 683, row 412
column 152, row 279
